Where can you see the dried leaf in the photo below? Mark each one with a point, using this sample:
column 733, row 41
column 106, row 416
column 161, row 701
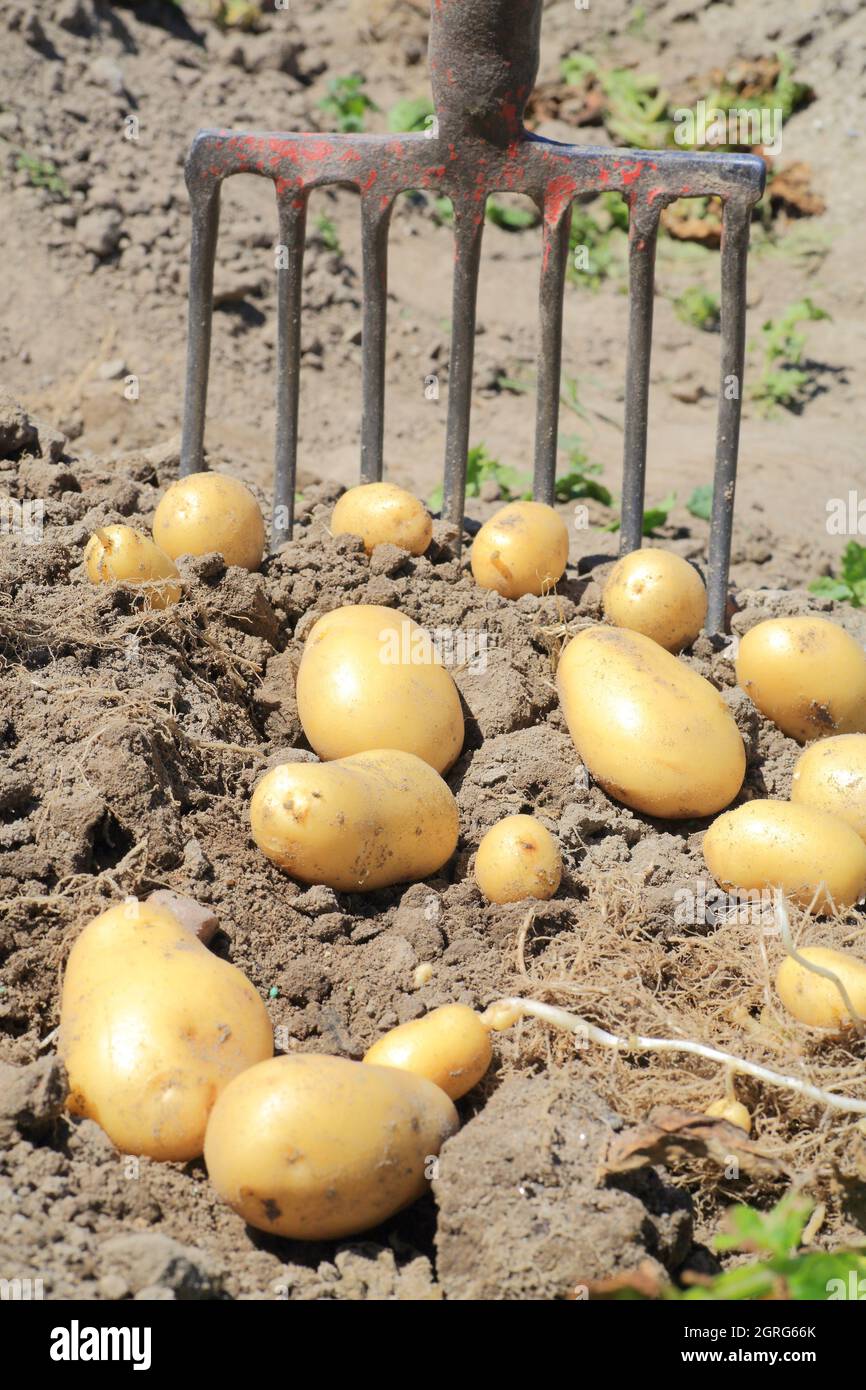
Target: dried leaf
column 646, row 1281
column 671, row 1134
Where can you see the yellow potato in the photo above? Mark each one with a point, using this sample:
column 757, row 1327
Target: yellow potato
column 207, row 512
column 371, row 678
column 812, row 856
column 450, row 1046
column 731, row 1110
column 118, row 554
column 831, row 775
column 317, row 1148
column 814, row 999
column 522, row 549
column 807, row 675
column 382, row 514
column 152, row 1027
column 518, row 858
column 654, row 733
column 659, row 594
column 357, row 823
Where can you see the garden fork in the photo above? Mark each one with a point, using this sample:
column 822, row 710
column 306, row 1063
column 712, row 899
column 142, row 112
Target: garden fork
column 483, row 59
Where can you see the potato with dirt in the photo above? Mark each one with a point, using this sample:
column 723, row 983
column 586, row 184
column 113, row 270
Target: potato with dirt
column 318, row 1148
column 119, row 554
column 152, row 1027
column 816, row 999
column 211, row 512
column 659, row 594
column 450, row 1046
column 806, row 674
column 831, row 775
column 518, row 858
column 370, row 678
column 383, row 514
column 357, row 823
column 522, row 549
column 652, row 732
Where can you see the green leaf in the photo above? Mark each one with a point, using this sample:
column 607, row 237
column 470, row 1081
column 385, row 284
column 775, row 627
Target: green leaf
column 854, row 563
column 777, row 1232
column 700, row 504
column 827, row 587
column 410, row 114
column 511, row 219
column 658, row 515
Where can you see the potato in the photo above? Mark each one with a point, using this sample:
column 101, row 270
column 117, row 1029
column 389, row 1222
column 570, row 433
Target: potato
column 814, row 999
column 522, row 549
column 207, row 512
column 806, row 674
column 518, row 858
column 357, row 823
column 831, row 775
column 808, row 854
column 659, row 594
column 117, row 554
column 654, row 733
column 450, row 1046
column 317, row 1148
column 731, row 1110
column 371, row 678
column 382, row 514
column 152, row 1027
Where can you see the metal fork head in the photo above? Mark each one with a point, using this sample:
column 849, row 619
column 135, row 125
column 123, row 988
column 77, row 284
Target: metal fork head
column 483, row 58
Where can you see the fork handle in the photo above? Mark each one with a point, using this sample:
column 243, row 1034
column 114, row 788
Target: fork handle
column 483, row 58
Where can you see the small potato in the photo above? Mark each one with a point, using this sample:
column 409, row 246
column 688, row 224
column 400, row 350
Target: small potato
column 357, row 823
column 152, row 1027
column 831, row 775
column 450, row 1046
column 383, row 514
column 654, row 733
column 659, row 594
column 518, row 858
column 812, row 856
column 207, row 512
column 522, row 549
column 317, row 1148
column 731, row 1110
column 117, row 554
column 814, row 999
column 806, row 674
column 371, row 678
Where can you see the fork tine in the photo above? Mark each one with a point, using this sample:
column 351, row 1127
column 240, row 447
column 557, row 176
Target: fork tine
column 643, row 230
column 375, row 221
column 468, row 231
column 204, row 196
column 735, row 247
column 292, row 211
column 555, row 243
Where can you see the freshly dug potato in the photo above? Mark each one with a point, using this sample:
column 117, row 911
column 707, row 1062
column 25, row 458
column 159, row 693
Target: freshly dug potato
column 450, row 1046
column 357, row 823
column 654, row 733
column 152, row 1027
column 118, row 554
column 381, row 513
column 317, row 1148
column 831, row 775
column 371, row 678
column 659, row 594
column 806, row 674
column 207, row 512
column 808, row 854
column 518, row 858
column 814, row 999
column 522, row 549
column 731, row 1110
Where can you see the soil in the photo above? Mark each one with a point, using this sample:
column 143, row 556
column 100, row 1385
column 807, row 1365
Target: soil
column 131, row 741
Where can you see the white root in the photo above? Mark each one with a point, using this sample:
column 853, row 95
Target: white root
column 636, row 1042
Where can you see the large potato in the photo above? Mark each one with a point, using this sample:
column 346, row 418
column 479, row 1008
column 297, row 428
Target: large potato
column 357, row 823
column 518, row 858
column 371, row 678
column 381, row 514
column 654, row 733
column 812, row 856
column 118, row 554
column 450, row 1046
column 207, row 512
column 152, row 1027
column 522, row 549
column 659, row 594
column 831, row 775
column 316, row 1148
column 806, row 674
column 814, row 999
